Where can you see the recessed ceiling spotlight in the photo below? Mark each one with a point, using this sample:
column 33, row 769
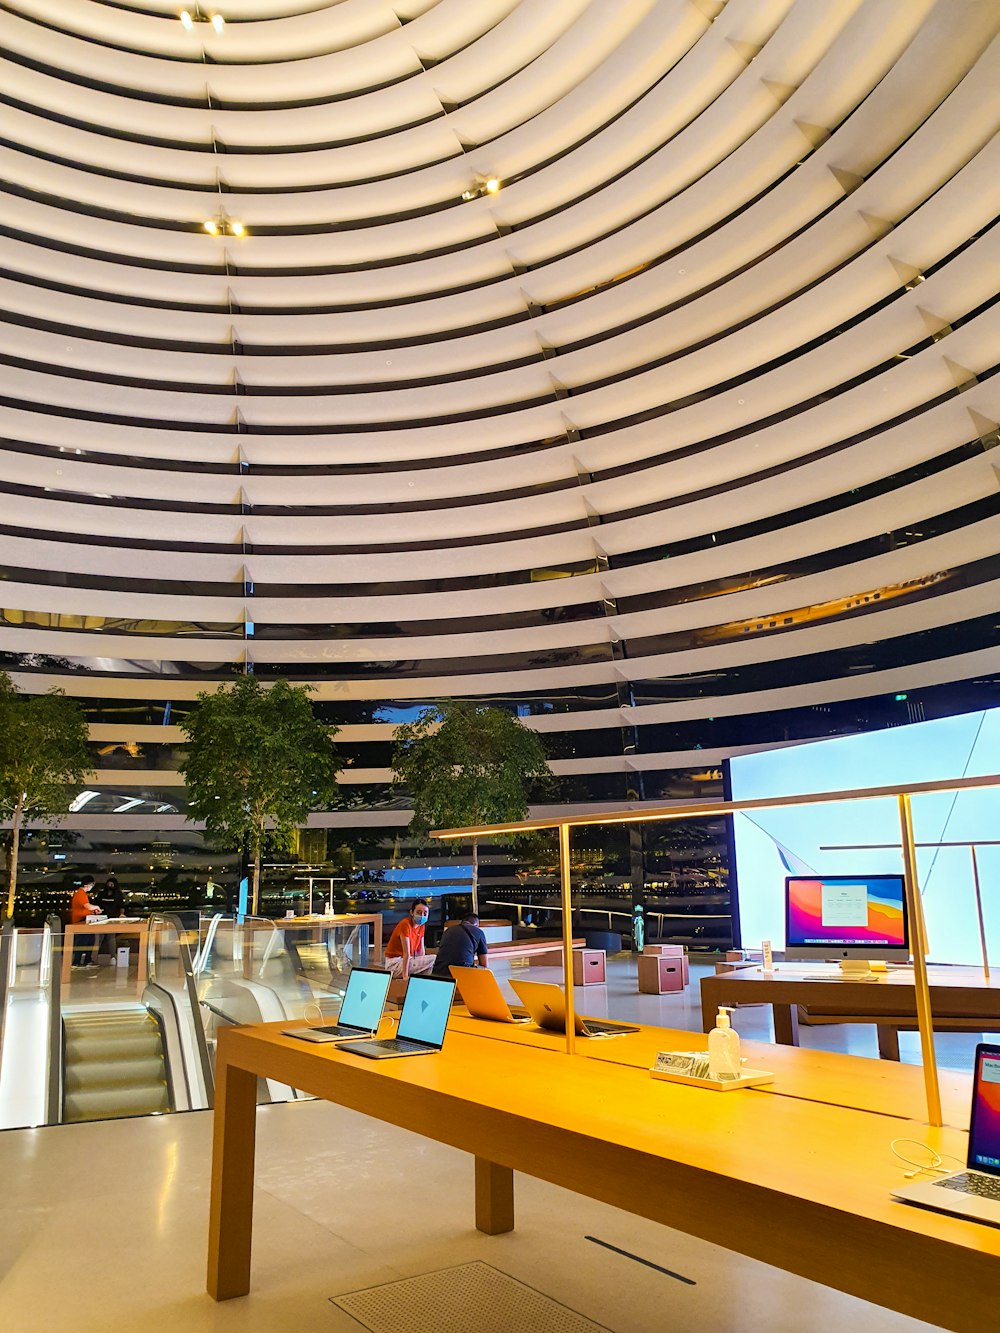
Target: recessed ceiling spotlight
column 491, row 185
column 224, row 226
column 189, row 20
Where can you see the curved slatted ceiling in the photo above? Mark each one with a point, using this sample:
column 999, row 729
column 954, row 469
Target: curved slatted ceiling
column 630, row 362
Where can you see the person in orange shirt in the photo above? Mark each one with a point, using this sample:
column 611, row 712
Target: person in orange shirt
column 80, row 907
column 404, row 954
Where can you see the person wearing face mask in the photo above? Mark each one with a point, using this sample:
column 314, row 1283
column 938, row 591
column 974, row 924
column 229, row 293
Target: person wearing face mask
column 404, row 954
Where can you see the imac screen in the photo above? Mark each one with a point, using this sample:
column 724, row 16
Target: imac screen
column 846, row 911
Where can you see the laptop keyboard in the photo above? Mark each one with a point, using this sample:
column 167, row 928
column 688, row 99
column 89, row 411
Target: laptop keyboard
column 397, row 1044
column 971, row 1182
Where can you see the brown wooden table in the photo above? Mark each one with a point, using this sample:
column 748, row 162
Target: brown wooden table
column 962, row 999
column 799, row 1184
column 110, row 927
column 301, row 924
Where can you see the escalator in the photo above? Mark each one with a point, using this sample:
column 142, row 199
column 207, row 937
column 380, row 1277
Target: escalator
column 114, row 1065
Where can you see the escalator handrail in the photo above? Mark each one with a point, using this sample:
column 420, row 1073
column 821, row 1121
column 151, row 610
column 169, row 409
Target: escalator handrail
column 201, row 957
column 191, row 987
column 57, row 1051
column 165, row 1048
column 221, row 1013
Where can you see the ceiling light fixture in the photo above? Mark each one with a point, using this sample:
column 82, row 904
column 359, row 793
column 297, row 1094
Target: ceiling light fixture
column 189, row 20
column 482, row 185
column 223, row 225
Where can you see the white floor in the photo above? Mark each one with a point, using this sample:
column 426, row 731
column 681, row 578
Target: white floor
column 104, row 1225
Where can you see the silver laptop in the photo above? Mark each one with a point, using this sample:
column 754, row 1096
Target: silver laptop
column 546, row 1004
column 422, row 1023
column 974, row 1192
column 360, row 1013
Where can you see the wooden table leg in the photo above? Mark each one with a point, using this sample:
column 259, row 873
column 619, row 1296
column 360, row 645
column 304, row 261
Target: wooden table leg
column 142, row 960
column 69, row 935
column 888, row 1042
column 377, row 956
column 709, row 1004
column 230, row 1223
column 494, row 1197
column 786, row 1024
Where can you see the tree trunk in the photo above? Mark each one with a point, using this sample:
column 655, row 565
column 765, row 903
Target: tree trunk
column 12, row 854
column 256, row 878
column 475, row 877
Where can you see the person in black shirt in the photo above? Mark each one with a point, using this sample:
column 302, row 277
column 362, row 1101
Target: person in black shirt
column 111, row 898
column 462, row 945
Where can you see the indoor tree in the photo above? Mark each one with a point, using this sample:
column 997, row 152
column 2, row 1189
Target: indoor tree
column 43, row 761
column 257, row 760
column 466, row 764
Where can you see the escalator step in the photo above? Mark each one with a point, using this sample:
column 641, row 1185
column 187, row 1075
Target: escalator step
column 98, row 1046
column 111, row 1104
column 113, row 1073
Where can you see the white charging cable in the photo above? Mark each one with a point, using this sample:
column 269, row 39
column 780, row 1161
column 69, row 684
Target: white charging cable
column 932, row 1167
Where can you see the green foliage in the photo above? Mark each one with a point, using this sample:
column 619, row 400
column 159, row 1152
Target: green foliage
column 43, row 751
column 257, row 760
column 43, row 760
column 465, row 764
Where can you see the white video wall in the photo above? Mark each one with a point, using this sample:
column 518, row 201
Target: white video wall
column 836, row 838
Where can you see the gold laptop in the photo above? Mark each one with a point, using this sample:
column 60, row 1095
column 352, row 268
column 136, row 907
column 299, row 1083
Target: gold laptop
column 482, row 996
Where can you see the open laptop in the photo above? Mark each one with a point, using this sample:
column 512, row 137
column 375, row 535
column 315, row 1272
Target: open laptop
column 546, row 1005
column 422, row 1023
column 482, row 996
column 974, row 1192
column 360, row 1012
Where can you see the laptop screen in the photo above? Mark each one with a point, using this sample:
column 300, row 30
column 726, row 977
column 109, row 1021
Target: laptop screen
column 426, row 1009
column 984, row 1132
column 364, row 999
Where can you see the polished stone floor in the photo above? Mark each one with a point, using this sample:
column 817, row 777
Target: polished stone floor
column 104, row 1225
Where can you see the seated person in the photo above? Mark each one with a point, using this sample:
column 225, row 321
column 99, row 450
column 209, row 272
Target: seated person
column 80, row 907
column 462, row 945
column 404, row 954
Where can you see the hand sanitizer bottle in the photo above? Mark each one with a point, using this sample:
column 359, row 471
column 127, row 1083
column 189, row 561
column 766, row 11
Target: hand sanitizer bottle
column 723, row 1048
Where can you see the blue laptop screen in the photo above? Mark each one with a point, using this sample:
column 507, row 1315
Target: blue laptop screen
column 426, row 1009
column 365, row 998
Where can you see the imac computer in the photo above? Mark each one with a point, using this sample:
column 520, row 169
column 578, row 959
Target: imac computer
column 850, row 919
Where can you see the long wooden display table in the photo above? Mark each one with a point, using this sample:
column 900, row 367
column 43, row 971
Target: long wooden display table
column 961, row 999
column 804, row 1185
column 814, row 1076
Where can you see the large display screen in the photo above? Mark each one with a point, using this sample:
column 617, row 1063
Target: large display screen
column 845, row 910
column 984, row 1140
column 864, row 836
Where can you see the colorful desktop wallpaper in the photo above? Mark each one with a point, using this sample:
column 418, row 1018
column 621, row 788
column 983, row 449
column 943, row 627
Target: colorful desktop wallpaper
column 984, row 1148
column 862, row 837
column 884, row 910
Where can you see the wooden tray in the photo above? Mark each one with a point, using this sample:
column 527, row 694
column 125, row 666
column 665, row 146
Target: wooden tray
column 750, row 1078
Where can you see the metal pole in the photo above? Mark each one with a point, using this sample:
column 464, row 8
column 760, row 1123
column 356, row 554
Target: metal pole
column 918, row 933
column 979, row 909
column 567, row 925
